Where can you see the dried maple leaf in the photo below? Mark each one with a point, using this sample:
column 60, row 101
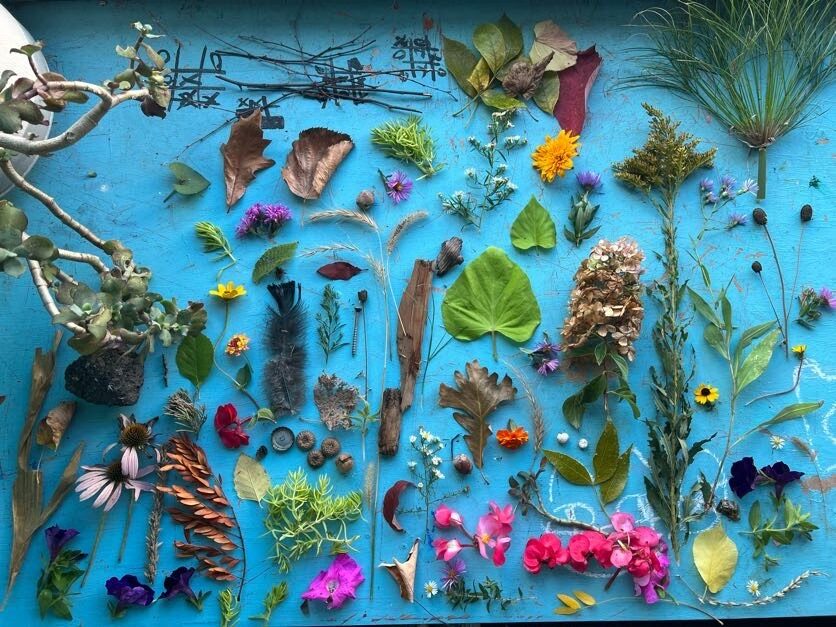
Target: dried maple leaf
column 478, row 395
column 243, row 155
column 313, row 160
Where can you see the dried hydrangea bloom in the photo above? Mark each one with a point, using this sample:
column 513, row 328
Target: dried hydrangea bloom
column 605, row 304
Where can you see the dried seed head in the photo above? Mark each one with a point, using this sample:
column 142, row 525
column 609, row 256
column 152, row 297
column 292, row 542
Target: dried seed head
column 330, row 447
column 806, row 213
column 305, row 440
column 315, row 458
column 261, row 453
column 362, row 296
column 757, row 267
column 345, row 463
column 365, row 200
column 729, row 509
column 759, row 216
column 463, row 464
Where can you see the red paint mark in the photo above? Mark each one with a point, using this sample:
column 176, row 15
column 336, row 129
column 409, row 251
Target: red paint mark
column 428, row 22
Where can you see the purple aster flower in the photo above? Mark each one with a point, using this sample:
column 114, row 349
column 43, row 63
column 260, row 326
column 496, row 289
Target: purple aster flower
column 711, row 198
column 744, row 477
column 749, row 187
column 451, row 573
column 398, row 186
column 781, row 475
column 337, row 584
column 547, row 366
column 544, row 356
column 128, row 591
column 276, row 214
column 706, row 185
column 827, row 297
column 56, row 538
column 728, row 182
column 737, row 219
column 249, row 220
column 589, row 180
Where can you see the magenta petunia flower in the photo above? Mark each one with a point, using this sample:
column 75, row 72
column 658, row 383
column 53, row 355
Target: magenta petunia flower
column 337, row 584
column 398, row 186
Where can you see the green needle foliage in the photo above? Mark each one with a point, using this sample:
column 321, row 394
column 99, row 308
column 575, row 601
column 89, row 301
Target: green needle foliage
column 274, row 598
column 329, row 330
column 754, row 65
column 408, row 140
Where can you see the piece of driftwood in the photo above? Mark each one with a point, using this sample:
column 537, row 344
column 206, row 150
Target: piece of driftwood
column 449, row 256
column 389, row 434
column 412, row 320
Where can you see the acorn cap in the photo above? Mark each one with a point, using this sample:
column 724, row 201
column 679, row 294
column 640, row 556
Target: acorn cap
column 330, row 447
column 305, row 440
column 315, row 458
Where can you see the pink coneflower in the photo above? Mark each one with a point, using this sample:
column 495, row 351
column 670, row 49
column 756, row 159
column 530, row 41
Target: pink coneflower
column 135, row 438
column 451, row 573
column 398, row 186
column 108, row 481
column 827, row 297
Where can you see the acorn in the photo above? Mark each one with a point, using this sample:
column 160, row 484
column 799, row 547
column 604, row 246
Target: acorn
column 330, row 447
column 365, row 199
column 345, row 463
column 757, row 267
column 305, row 440
column 315, row 458
column 806, row 213
column 463, row 464
column 759, row 216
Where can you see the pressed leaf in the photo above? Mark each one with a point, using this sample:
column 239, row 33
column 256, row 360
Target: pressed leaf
column 605, row 460
column 272, row 259
column 790, row 412
column 404, row 572
column 460, row 61
column 715, row 556
column 244, row 376
column 565, row 611
column 488, row 40
column 714, row 338
column 534, row 226
column 188, row 181
column 339, row 271
column 498, row 99
column 313, row 160
column 511, row 37
column 756, row 361
column 569, row 468
column 612, row 488
column 586, row 599
column 548, row 38
column 704, row 309
column 575, row 405
column 53, row 426
column 491, row 295
column 749, row 336
column 547, row 94
column 195, row 357
column 391, row 502
column 244, row 155
column 480, row 77
column 478, row 393
column 575, row 84
column 250, row 479
column 569, row 601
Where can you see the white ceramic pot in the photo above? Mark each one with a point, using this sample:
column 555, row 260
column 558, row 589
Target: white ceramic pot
column 13, row 35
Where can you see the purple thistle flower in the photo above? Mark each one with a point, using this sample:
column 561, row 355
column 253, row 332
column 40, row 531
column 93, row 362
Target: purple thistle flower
column 781, row 475
column 276, row 214
column 744, row 477
column 737, row 219
column 398, row 186
column 827, row 297
column 128, row 591
column 178, row 582
column 706, row 185
column 56, row 538
column 589, row 180
column 451, row 573
column 248, row 221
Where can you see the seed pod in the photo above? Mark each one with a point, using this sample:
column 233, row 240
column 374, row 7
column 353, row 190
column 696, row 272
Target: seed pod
column 305, row 440
column 261, row 453
column 757, row 267
column 365, row 200
column 315, row 458
column 345, row 463
column 463, row 464
column 806, row 213
column 729, row 509
column 362, row 296
column 759, row 216
column 330, row 447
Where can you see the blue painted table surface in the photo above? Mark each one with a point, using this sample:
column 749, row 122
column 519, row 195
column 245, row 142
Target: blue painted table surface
column 129, row 153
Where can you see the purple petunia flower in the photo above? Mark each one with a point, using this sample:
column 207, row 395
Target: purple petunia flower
column 744, row 477
column 128, row 591
column 178, row 582
column 337, row 584
column 827, row 297
column 451, row 573
column 781, row 475
column 56, row 538
column 398, row 186
column 737, row 219
column 589, row 180
column 706, row 185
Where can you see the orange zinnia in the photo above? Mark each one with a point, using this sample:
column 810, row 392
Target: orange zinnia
column 512, row 437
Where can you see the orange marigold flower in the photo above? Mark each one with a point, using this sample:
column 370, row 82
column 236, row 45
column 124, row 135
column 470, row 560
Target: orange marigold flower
column 237, row 344
column 554, row 156
column 512, row 437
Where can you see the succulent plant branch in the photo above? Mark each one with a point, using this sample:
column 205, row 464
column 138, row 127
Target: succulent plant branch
column 42, row 287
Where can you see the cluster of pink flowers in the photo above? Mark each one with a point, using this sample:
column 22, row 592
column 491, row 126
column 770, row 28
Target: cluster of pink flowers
column 638, row 550
column 493, row 533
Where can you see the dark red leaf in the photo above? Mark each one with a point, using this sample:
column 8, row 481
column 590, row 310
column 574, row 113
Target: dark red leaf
column 575, row 84
column 339, row 271
column 392, row 501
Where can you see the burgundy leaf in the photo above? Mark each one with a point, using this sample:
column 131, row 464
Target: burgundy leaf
column 575, row 85
column 339, row 271
column 392, row 501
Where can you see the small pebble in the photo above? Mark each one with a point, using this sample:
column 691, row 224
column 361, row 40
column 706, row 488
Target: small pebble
column 583, row 443
column 562, row 437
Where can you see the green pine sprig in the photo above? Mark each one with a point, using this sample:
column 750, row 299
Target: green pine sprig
column 214, row 240
column 276, row 595
column 408, row 140
column 329, row 330
column 230, row 607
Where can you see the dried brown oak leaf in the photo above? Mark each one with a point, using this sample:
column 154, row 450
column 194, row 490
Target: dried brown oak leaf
column 478, row 395
column 244, row 156
column 53, row 426
column 313, row 160
column 404, row 572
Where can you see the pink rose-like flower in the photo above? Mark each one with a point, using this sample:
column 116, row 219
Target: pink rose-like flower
column 446, row 549
column 446, row 517
column 230, row 427
column 547, row 549
column 622, row 522
column 500, row 545
column 534, row 554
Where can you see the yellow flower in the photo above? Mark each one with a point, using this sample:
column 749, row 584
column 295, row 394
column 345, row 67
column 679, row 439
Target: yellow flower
column 237, row 344
column 705, row 394
column 799, row 350
column 228, row 291
column 554, row 156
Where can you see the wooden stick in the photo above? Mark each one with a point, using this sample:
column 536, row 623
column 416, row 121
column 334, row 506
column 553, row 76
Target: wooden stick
column 412, row 320
column 389, row 435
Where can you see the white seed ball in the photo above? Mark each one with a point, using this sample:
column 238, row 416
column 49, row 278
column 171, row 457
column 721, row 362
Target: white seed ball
column 562, row 437
column 583, row 443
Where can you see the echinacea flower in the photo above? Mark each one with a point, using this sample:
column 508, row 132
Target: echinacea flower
column 430, row 589
column 799, row 350
column 398, row 186
column 237, row 344
column 513, row 437
column 337, row 584
column 230, row 427
column 744, row 477
column 128, row 591
column 753, row 588
column 451, row 573
column 589, row 180
column 446, row 517
column 135, row 438
column 229, row 291
column 109, row 481
column 827, row 297
column 554, row 156
column 706, row 395
column 56, row 538
column 446, row 549
column 780, row 475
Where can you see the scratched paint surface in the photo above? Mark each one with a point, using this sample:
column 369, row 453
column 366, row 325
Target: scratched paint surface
column 129, row 153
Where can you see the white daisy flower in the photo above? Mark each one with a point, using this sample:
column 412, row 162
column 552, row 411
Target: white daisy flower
column 777, row 442
column 753, row 588
column 411, row 465
column 430, row 589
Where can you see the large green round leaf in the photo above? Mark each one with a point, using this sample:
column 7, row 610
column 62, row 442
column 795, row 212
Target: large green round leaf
column 492, row 295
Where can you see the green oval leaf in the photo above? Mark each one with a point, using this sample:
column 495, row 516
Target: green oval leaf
column 189, row 181
column 714, row 338
column 11, row 217
column 569, row 468
column 243, row 376
column 605, row 460
column 498, row 99
column 39, row 248
column 511, row 37
column 715, row 556
column 250, row 478
column 195, row 358
column 273, row 258
column 480, row 77
column 546, row 95
column 460, row 62
column 612, row 488
column 534, row 226
column 488, row 40
column 756, row 361
column 749, row 336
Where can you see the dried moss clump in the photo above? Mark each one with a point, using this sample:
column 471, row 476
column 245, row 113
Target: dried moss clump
column 605, row 305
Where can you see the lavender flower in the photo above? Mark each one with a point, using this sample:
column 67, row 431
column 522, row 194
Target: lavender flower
column 706, row 185
column 589, row 180
column 128, row 591
column 398, row 186
column 56, row 538
column 451, row 573
column 263, row 219
column 737, row 219
column 544, row 356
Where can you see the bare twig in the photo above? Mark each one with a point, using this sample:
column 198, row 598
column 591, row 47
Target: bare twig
column 42, row 287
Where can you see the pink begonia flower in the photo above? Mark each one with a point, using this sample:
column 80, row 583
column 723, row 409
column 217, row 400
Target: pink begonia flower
column 337, row 584
column 485, row 529
column 446, row 549
column 501, row 545
column 622, row 522
column 446, row 517
column 504, row 517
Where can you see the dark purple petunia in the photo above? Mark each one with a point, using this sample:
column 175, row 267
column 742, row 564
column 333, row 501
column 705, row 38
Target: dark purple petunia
column 781, row 475
column 178, row 582
column 744, row 477
column 128, row 591
column 56, row 538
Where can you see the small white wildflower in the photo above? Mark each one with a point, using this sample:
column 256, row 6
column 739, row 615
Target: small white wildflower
column 511, row 186
column 753, row 588
column 412, row 465
column 436, row 460
column 420, row 485
column 425, row 451
column 459, row 195
column 413, row 439
column 562, row 437
column 501, row 168
column 583, row 443
column 425, row 435
column 470, row 173
column 438, row 474
column 777, row 442
column 430, row 589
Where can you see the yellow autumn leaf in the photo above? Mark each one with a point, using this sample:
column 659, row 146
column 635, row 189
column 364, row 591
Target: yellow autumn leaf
column 565, row 611
column 586, row 599
column 715, row 556
column 569, row 601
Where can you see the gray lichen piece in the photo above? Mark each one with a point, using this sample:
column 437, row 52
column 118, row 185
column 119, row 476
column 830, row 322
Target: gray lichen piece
column 335, row 399
column 449, row 256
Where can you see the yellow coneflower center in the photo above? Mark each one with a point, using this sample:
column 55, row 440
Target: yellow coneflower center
column 135, row 436
column 114, row 473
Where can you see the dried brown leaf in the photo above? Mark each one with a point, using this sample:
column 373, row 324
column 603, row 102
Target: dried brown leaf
column 53, row 426
column 391, row 502
column 404, row 572
column 313, row 160
column 243, row 155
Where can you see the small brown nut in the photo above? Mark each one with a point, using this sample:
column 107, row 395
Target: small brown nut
column 305, row 440
column 463, row 464
column 315, row 458
column 365, row 199
column 345, row 463
column 330, row 447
